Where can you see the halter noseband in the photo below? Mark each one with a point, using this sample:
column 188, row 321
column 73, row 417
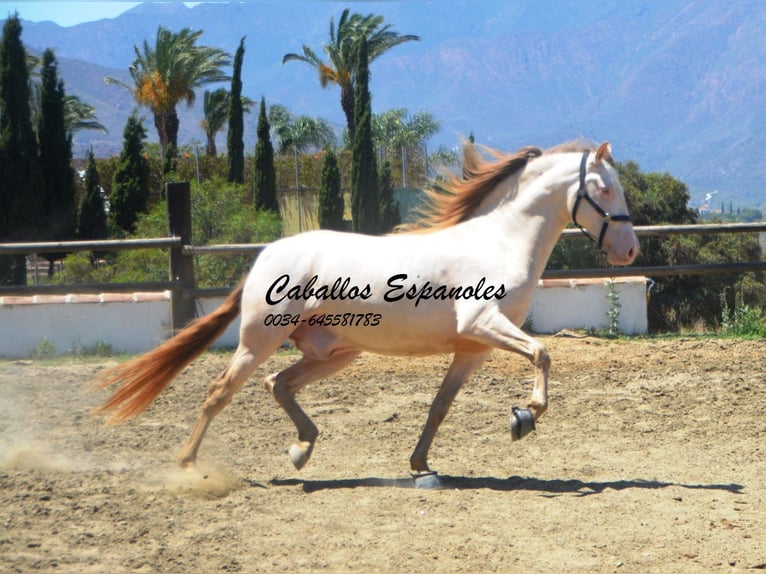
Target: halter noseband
column 582, row 193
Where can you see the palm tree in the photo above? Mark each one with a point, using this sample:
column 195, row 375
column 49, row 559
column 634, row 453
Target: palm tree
column 168, row 73
column 215, row 106
column 396, row 129
column 299, row 134
column 80, row 116
column 216, row 109
column 385, row 130
column 341, row 55
column 77, row 114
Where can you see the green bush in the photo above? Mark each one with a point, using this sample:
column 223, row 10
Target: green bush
column 44, row 349
column 742, row 320
column 221, row 213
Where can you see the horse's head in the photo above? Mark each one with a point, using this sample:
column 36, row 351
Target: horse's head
column 597, row 204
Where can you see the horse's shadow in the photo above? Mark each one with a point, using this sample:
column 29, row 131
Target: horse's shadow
column 546, row 487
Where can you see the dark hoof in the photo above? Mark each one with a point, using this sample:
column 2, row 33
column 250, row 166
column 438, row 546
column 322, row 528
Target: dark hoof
column 522, row 423
column 427, row 480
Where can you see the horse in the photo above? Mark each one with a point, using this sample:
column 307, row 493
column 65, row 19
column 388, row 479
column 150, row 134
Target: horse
column 459, row 280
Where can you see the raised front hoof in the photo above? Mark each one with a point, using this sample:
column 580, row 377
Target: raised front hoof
column 300, row 453
column 522, row 423
column 427, row 480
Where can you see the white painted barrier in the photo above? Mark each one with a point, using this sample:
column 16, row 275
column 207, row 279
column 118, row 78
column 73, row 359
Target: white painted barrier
column 584, row 304
column 137, row 322
column 129, row 322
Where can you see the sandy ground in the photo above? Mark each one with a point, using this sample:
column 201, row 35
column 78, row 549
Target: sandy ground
column 651, row 458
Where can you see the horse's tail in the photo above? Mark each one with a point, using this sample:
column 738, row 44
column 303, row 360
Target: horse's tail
column 144, row 378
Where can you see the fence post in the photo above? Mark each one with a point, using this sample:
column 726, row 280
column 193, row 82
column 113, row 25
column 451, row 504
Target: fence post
column 181, row 266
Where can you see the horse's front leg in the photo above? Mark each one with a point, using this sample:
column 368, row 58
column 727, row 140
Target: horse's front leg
column 463, row 364
column 495, row 329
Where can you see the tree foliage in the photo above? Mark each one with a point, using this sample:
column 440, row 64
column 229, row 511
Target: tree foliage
column 364, row 173
column 299, row 134
column 20, row 180
column 330, row 195
column 265, row 178
column 59, row 213
column 221, row 213
column 79, row 116
column 341, row 51
column 235, row 143
column 399, row 134
column 130, row 190
column 389, row 207
column 91, row 216
column 215, row 108
column 168, row 73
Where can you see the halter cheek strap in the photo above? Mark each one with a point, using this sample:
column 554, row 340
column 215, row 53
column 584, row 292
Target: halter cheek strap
column 582, row 193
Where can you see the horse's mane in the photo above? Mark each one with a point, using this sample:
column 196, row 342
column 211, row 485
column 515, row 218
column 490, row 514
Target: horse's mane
column 455, row 198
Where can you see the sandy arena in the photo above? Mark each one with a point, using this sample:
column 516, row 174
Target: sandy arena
column 651, row 459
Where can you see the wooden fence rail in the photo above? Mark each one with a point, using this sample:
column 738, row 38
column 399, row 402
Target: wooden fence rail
column 103, row 245
column 184, row 292
column 687, row 229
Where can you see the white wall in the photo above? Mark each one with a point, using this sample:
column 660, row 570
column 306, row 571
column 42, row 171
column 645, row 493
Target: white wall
column 230, row 336
column 583, row 304
column 135, row 323
column 131, row 323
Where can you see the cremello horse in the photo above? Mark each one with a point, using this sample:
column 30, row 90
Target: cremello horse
column 460, row 282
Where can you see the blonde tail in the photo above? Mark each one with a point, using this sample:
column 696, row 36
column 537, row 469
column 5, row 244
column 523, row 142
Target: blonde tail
column 142, row 379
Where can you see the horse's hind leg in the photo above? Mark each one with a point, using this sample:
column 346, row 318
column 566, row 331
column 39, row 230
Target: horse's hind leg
column 284, row 386
column 220, row 393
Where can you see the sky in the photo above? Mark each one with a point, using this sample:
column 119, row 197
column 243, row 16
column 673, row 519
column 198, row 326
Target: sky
column 67, row 13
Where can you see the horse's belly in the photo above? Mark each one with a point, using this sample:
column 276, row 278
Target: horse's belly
column 393, row 339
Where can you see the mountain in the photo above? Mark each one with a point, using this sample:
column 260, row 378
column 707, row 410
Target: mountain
column 675, row 85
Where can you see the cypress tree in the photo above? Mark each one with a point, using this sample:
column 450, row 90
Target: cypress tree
column 389, row 207
column 235, row 137
column 364, row 173
column 130, row 184
column 59, row 213
column 91, row 217
column 20, row 182
column 330, row 196
column 265, row 178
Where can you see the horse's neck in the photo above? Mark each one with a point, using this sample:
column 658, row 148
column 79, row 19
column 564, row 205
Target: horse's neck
column 530, row 210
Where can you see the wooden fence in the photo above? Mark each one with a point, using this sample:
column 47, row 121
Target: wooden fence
column 184, row 292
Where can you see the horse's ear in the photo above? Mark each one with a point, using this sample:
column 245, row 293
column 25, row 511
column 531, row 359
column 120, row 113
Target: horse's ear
column 603, row 152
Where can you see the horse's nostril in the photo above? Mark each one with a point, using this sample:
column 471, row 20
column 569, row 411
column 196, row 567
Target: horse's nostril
column 630, row 252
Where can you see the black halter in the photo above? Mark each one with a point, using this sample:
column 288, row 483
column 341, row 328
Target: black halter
column 582, row 193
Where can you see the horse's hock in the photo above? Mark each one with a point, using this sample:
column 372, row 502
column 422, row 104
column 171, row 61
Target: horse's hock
column 136, row 322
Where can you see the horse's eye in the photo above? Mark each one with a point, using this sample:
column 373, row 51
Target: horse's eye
column 606, row 191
